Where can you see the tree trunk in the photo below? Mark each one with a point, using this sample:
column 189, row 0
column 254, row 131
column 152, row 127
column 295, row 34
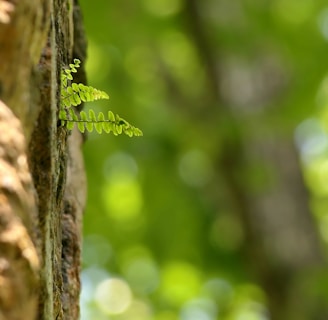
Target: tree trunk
column 42, row 181
column 281, row 240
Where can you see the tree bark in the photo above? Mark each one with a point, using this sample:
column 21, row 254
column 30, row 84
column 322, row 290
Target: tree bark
column 42, row 180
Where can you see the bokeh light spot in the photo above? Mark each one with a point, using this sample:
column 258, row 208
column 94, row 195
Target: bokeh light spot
column 140, row 64
column 302, row 10
column 195, row 168
column 323, row 23
column 179, row 55
column 113, row 296
column 311, row 139
column 250, row 311
column 181, row 281
column 96, row 250
column 166, row 315
column 226, row 233
column 220, row 290
column 323, row 227
column 120, row 163
column 199, row 309
column 138, row 310
column 98, row 67
column 139, row 269
column 162, row 8
column 122, row 197
column 142, row 274
column 317, row 177
column 90, row 278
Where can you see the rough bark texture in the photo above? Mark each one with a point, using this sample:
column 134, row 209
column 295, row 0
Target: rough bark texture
column 19, row 262
column 42, row 182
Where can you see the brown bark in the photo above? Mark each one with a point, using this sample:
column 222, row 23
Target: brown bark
column 19, row 262
column 40, row 221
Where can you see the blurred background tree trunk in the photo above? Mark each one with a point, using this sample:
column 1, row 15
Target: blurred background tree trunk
column 42, row 184
column 281, row 237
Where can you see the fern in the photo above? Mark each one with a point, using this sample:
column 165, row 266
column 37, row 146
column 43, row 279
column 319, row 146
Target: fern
column 73, row 94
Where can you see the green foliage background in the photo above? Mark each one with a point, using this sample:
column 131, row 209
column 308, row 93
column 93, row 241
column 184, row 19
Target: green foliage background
column 158, row 219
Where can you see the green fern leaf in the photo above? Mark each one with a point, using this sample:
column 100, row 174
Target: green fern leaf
column 70, row 125
column 73, row 69
column 73, row 94
column 69, row 90
column 67, row 102
column 89, row 126
column 62, row 114
column 98, row 126
column 88, row 96
column 115, row 130
column 111, row 117
column 73, row 115
column 64, row 81
column 128, row 132
column 75, row 87
column 119, row 128
column 82, row 96
column 82, row 87
column 137, row 132
column 83, row 116
column 72, row 101
column 76, row 62
column 81, row 126
column 106, row 126
column 101, row 117
column 92, row 116
column 77, row 99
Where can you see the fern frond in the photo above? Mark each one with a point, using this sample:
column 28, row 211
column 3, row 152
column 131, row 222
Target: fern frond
column 66, row 75
column 99, row 122
column 73, row 94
